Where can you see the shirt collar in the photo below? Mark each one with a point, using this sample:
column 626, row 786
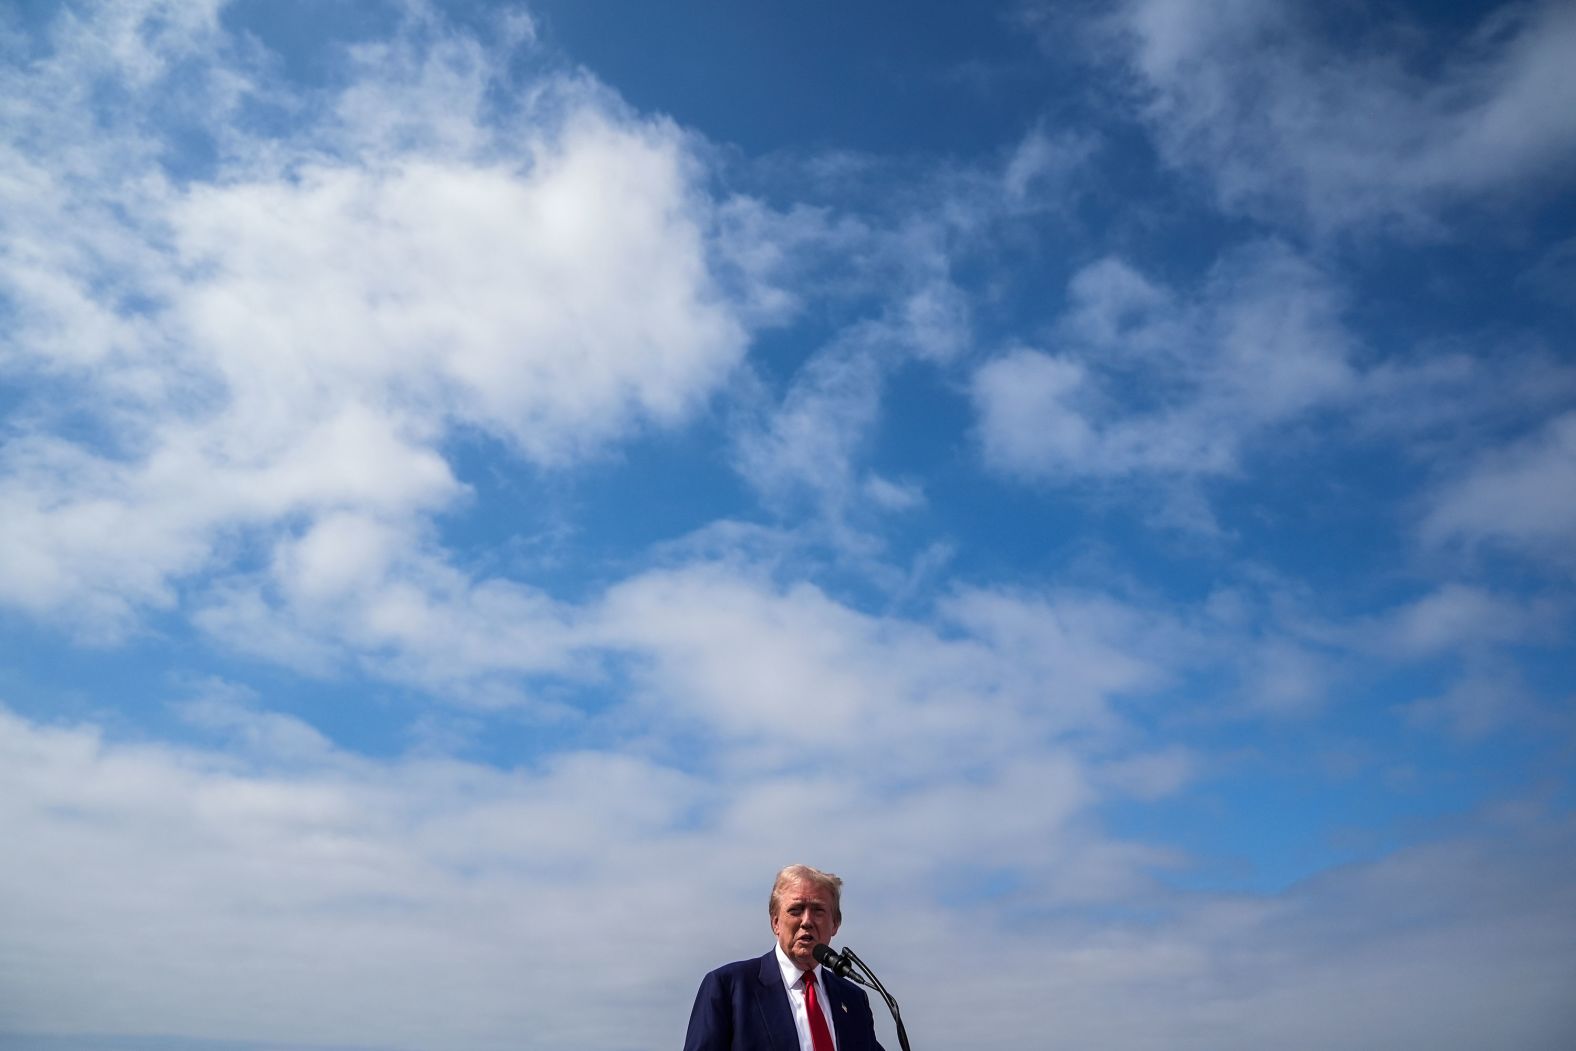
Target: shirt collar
column 791, row 970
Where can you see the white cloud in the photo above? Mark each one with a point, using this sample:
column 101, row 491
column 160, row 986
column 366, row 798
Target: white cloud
column 357, row 592
column 897, row 270
column 354, row 904
column 809, row 446
column 408, row 902
column 1287, row 120
column 295, row 336
column 554, row 301
column 894, row 265
column 233, row 711
column 1456, row 617
column 1479, row 702
column 893, row 495
column 1149, row 382
column 809, row 443
column 1521, row 498
column 1444, row 400
column 1044, row 162
column 1150, row 775
column 1431, row 947
column 774, row 678
column 1283, row 678
column 1029, row 412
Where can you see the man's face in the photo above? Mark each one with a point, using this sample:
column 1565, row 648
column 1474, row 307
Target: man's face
column 804, row 917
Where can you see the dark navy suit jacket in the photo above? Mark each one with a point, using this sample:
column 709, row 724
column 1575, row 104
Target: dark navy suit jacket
column 744, row 1007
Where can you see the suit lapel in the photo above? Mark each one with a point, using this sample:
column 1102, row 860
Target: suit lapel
column 836, row 990
column 776, row 1014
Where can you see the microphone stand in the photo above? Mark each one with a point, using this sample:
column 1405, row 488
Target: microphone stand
column 875, row 983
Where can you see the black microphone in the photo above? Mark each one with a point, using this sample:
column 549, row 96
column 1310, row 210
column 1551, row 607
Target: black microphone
column 834, row 961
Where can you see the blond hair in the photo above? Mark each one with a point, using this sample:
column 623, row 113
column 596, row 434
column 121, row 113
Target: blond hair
column 806, row 874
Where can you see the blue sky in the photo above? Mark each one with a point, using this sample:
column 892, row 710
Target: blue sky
column 482, row 486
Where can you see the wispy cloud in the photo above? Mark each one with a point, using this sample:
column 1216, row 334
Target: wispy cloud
column 1517, row 498
column 1145, row 380
column 1289, row 110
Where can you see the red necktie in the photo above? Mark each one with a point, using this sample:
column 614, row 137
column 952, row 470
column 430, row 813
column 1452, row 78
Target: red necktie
column 820, row 1035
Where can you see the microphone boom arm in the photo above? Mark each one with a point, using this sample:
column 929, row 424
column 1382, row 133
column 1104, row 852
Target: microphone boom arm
column 875, row 983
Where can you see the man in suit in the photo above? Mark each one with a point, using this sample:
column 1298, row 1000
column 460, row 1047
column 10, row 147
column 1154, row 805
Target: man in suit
column 785, row 1001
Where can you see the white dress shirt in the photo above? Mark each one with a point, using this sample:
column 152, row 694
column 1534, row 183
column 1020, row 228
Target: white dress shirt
column 793, row 978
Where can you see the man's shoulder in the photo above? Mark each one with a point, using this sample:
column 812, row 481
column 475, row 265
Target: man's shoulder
column 740, row 968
